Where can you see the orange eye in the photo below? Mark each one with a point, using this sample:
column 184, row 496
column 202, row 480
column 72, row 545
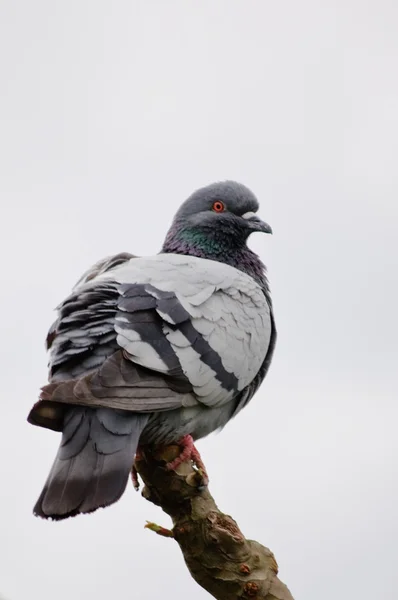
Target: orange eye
column 218, row 206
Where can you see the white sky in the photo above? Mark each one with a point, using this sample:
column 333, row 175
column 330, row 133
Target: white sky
column 111, row 114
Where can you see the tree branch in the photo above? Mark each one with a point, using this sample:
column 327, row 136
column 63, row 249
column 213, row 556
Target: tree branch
column 218, row 556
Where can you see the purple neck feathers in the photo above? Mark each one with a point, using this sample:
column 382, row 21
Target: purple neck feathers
column 222, row 248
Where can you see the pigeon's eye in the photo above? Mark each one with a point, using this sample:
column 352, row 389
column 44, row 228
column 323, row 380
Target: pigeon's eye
column 218, row 206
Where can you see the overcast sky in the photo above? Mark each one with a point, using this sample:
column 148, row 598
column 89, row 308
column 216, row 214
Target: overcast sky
column 111, row 114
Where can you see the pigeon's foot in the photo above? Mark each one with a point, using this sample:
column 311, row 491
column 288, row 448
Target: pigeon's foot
column 134, row 478
column 134, row 473
column 189, row 452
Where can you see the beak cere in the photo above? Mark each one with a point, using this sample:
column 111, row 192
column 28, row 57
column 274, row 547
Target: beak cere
column 255, row 223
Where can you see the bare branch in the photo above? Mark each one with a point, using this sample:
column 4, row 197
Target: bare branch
column 217, row 554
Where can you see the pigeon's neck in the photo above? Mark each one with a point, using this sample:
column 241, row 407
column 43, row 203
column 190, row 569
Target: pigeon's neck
column 225, row 249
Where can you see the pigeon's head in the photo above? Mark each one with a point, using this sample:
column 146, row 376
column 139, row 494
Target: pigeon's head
column 215, row 219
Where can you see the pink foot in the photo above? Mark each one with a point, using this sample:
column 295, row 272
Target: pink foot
column 134, row 478
column 134, row 474
column 189, row 452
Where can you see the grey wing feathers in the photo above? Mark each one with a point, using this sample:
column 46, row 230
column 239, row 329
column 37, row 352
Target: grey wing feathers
column 102, row 266
column 247, row 394
column 215, row 320
column 84, row 333
column 197, row 329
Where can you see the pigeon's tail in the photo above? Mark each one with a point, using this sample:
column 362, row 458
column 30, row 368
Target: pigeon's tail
column 93, row 462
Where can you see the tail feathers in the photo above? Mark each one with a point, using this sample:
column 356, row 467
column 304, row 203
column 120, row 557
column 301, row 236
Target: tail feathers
column 93, row 462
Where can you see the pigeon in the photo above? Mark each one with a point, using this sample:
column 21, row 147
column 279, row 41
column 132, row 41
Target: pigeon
column 149, row 351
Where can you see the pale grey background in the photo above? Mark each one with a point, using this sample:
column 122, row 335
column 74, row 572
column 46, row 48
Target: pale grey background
column 111, row 114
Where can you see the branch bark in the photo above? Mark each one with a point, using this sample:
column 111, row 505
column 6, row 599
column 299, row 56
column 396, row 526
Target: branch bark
column 218, row 556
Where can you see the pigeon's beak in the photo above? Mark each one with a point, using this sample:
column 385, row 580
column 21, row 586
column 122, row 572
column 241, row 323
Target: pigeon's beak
column 255, row 223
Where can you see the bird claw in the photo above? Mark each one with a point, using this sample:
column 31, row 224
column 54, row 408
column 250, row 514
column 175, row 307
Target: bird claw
column 189, row 452
column 134, row 472
column 134, row 478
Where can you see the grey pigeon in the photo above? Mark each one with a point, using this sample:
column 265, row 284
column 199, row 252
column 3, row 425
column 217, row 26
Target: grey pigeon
column 149, row 351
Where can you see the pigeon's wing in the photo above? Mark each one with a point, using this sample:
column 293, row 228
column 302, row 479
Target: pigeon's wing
column 102, row 266
column 159, row 333
column 214, row 322
column 248, row 392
